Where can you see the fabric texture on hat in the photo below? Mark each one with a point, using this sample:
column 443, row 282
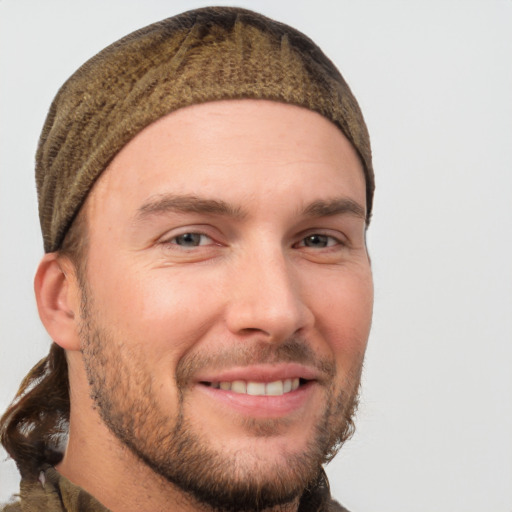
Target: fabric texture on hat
column 209, row 54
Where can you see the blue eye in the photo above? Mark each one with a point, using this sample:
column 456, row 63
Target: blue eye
column 317, row 241
column 191, row 240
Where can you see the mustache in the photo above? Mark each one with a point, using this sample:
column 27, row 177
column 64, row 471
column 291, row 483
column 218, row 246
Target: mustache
column 293, row 350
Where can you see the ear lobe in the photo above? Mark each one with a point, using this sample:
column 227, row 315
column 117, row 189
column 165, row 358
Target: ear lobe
column 58, row 300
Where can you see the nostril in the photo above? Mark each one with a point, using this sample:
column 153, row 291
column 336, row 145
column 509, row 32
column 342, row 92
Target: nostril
column 274, row 316
column 251, row 330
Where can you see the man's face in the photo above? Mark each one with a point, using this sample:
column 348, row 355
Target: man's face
column 228, row 297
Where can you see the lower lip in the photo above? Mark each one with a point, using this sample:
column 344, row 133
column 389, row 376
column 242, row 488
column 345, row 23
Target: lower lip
column 262, row 406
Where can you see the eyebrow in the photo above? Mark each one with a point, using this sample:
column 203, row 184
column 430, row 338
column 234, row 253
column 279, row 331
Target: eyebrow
column 192, row 204
column 187, row 204
column 336, row 206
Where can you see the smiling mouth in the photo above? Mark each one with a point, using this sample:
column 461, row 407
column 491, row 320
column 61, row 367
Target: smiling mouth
column 276, row 388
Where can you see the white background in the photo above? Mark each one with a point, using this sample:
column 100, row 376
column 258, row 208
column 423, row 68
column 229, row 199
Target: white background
column 434, row 79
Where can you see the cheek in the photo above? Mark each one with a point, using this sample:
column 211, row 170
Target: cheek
column 343, row 312
column 164, row 308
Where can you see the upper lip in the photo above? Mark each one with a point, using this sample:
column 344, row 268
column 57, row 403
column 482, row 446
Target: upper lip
column 260, row 373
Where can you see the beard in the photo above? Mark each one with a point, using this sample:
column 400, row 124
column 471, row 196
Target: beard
column 123, row 391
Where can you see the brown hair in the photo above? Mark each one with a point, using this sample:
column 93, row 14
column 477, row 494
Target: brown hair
column 34, row 427
column 208, row 54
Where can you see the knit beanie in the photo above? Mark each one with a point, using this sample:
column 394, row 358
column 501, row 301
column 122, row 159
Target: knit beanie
column 209, row 54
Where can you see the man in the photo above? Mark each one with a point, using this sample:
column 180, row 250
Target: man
column 204, row 185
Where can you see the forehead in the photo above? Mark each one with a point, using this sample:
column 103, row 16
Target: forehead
column 238, row 149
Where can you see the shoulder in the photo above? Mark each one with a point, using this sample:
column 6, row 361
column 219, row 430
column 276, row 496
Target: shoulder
column 11, row 507
column 334, row 506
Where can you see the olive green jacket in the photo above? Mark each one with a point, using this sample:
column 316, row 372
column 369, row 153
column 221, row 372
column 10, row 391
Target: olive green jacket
column 54, row 493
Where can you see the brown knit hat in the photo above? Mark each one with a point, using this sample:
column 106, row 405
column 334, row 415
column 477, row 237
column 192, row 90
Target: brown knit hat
column 203, row 55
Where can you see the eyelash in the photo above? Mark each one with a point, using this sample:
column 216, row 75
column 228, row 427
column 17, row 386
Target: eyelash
column 329, row 240
column 188, row 234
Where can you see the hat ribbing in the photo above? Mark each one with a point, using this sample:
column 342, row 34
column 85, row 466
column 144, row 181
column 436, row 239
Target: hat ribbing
column 209, row 54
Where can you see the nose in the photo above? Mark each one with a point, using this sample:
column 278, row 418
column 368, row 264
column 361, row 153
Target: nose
column 266, row 299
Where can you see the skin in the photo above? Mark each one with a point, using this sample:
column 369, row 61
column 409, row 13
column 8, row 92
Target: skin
column 276, row 266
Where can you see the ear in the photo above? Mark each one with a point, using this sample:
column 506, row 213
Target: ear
column 58, row 300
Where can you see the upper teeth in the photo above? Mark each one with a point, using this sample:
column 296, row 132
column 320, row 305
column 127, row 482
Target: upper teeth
column 276, row 388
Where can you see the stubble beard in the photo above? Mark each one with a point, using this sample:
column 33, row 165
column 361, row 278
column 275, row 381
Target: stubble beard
column 170, row 445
